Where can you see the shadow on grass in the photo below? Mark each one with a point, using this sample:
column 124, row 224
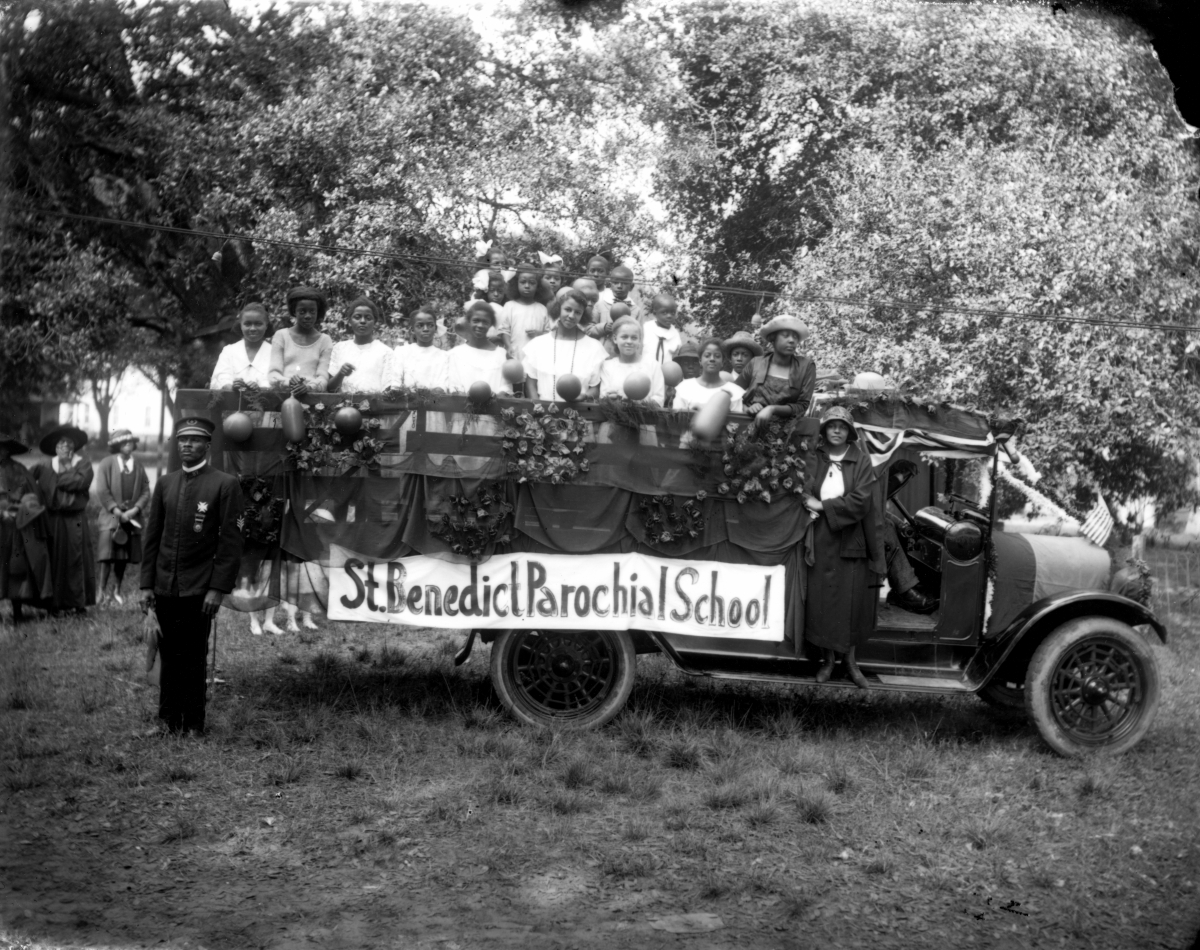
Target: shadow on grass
column 667, row 714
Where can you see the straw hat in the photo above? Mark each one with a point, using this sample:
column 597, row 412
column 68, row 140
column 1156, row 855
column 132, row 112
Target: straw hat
column 784, row 323
column 51, row 439
column 122, row 435
column 743, row 339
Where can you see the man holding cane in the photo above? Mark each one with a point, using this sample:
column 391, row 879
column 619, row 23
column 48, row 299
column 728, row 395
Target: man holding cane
column 192, row 550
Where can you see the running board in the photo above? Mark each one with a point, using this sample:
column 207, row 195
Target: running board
column 910, row 684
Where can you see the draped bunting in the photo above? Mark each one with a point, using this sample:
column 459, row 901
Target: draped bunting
column 439, row 447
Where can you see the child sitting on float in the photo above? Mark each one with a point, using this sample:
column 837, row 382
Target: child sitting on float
column 779, row 384
column 360, row 364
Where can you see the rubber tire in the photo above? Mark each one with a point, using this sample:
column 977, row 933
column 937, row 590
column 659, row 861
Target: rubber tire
column 1057, row 648
column 999, row 695
column 616, row 644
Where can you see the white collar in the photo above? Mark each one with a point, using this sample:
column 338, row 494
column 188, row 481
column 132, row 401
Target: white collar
column 72, row 462
column 197, row 467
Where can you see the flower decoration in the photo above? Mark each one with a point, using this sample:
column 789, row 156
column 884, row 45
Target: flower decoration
column 669, row 522
column 760, row 463
column 324, row 448
column 476, row 522
column 260, row 520
column 545, row 444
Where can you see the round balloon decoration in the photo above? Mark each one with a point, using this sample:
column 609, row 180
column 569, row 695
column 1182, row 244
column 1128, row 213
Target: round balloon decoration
column 637, row 386
column 291, row 417
column 569, row 387
column 237, row 427
column 672, row 373
column 513, row 371
column 480, row 391
column 710, row 418
column 348, row 421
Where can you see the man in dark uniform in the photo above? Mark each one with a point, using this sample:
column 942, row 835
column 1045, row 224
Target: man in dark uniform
column 191, row 554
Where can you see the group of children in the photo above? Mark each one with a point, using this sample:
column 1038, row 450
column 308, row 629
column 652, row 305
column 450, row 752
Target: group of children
column 601, row 329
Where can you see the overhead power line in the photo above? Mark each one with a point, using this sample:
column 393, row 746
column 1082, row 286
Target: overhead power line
column 800, row 297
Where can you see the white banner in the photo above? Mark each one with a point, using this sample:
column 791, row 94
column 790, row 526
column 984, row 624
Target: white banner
column 561, row 592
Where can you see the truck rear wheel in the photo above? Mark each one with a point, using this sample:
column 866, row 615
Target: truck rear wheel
column 577, row 679
column 1092, row 686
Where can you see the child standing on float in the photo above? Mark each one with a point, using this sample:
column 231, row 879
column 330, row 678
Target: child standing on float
column 247, row 361
column 300, row 353
column 627, row 336
column 524, row 315
column 359, row 365
column 565, row 350
column 694, row 393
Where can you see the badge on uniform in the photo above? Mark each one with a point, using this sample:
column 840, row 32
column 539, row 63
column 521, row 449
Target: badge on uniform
column 201, row 511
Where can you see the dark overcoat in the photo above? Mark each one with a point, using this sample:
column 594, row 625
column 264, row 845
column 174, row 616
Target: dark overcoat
column 844, row 552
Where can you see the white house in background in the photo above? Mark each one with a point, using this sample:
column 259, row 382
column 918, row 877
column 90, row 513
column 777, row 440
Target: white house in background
column 137, row 407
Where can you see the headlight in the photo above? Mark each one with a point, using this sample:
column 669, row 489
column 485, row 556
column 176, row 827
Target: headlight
column 964, row 541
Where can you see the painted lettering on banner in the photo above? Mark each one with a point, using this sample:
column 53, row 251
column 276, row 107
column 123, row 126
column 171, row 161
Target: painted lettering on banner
column 561, row 592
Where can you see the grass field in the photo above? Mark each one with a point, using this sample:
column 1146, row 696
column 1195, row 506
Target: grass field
column 357, row 790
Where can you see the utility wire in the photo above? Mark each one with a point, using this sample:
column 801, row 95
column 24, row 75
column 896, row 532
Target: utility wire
column 711, row 288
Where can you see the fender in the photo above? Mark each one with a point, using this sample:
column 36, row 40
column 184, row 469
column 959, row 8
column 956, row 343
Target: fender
column 1036, row 622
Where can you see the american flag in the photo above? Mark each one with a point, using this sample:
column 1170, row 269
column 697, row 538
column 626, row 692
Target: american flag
column 1098, row 524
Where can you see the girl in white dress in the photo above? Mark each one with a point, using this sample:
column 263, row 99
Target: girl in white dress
column 691, row 394
column 248, row 361
column 524, row 315
column 359, row 365
column 627, row 335
column 480, row 359
column 565, row 350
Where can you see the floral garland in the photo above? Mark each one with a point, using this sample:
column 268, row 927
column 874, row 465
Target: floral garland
column 325, row 447
column 545, row 444
column 761, row 462
column 414, row 397
column 260, row 519
column 669, row 523
column 622, row 411
column 475, row 521
column 249, row 397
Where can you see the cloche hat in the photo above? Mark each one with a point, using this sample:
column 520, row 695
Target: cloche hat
column 839, row 414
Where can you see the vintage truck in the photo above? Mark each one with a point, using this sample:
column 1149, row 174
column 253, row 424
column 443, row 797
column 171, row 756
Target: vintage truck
column 574, row 537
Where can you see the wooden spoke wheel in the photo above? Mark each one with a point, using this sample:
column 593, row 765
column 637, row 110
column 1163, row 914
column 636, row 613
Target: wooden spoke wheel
column 1092, row 686
column 566, row 678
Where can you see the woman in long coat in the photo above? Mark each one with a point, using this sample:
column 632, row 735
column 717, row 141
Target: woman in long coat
column 63, row 485
column 845, row 550
column 24, row 565
column 123, row 490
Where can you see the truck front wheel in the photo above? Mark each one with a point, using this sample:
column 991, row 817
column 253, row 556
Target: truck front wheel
column 1092, row 687
column 576, row 679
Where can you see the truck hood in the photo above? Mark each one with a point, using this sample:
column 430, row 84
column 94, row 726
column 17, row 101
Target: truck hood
column 1029, row 567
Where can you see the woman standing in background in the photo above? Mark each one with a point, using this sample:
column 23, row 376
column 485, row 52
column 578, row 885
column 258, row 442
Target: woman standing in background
column 123, row 490
column 63, row 484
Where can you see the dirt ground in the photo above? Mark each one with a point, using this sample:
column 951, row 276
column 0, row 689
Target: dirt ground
column 357, row 790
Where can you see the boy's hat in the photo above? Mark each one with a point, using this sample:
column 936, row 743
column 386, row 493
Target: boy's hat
column 744, row 340
column 784, row 323
column 688, row 351
column 51, row 439
column 195, row 425
column 122, row 435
